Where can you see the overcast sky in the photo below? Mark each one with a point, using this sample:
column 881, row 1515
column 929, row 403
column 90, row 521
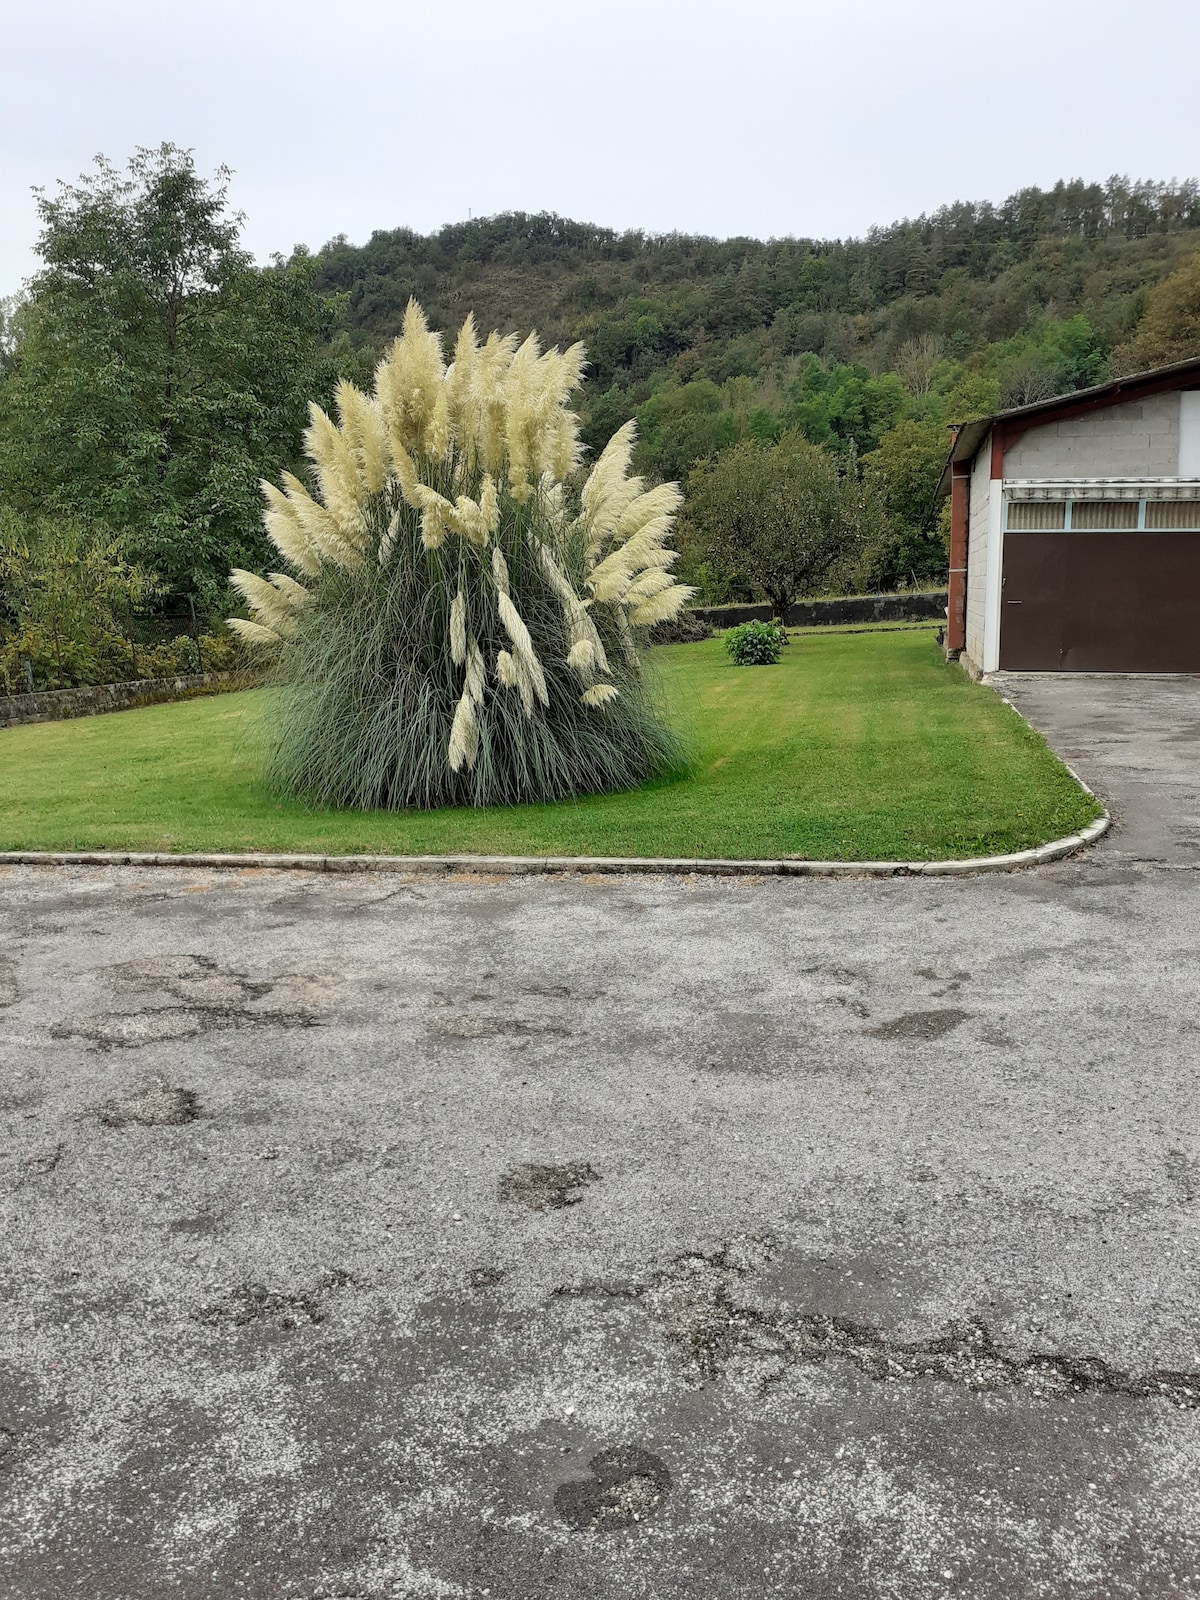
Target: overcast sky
column 749, row 116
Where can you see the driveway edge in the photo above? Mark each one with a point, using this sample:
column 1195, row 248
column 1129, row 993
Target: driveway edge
column 440, row 866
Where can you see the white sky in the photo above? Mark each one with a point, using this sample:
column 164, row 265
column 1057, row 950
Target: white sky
column 746, row 116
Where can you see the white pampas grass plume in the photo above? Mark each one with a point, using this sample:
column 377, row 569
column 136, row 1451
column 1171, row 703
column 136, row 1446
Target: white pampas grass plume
column 489, row 504
column 654, row 512
column 458, row 629
column 437, row 433
column 464, row 735
column 407, row 382
column 476, row 673
column 437, row 514
column 337, row 473
column 506, row 669
column 598, row 695
column 294, row 593
column 253, row 633
column 468, row 519
column 500, row 570
column 457, row 388
column 364, row 430
column 319, row 526
column 433, row 529
column 287, row 533
column 523, row 652
column 609, row 490
column 388, row 543
column 405, row 473
column 489, row 400
column 652, row 581
column 583, row 635
column 661, row 607
column 273, row 608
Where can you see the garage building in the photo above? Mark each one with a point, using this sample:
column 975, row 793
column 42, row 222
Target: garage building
column 1075, row 531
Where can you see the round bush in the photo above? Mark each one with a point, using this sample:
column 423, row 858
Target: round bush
column 756, row 644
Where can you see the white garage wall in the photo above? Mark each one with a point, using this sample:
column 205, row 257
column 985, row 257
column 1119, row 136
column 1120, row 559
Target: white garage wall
column 977, row 550
column 1189, row 433
column 1137, row 440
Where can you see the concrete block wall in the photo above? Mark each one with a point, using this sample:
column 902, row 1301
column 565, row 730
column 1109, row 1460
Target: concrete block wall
column 977, row 537
column 1136, row 440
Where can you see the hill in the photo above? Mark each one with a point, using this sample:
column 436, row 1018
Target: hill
column 979, row 304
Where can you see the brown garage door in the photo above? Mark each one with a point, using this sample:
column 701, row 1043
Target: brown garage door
column 1100, row 602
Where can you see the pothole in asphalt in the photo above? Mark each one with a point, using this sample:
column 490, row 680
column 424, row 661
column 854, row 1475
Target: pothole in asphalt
column 485, row 1277
column 253, row 1302
column 158, row 1106
column 43, row 1161
column 130, row 1029
column 702, row 1311
column 921, row 1024
column 200, row 997
column 627, row 1485
column 470, row 1027
column 196, row 980
column 545, row 1188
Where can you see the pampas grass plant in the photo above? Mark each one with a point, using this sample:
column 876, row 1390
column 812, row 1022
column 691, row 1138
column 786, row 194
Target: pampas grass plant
column 462, row 620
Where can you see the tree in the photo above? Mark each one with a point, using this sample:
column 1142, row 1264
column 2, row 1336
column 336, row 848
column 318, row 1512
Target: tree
column 454, row 629
column 678, row 426
column 154, row 374
column 917, row 360
column 782, row 515
column 909, row 463
column 1169, row 329
column 66, row 595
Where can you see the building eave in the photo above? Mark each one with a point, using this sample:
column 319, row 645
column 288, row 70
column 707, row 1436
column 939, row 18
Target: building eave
column 1016, row 420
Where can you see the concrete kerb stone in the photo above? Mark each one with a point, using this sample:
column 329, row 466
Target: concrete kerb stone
column 530, row 866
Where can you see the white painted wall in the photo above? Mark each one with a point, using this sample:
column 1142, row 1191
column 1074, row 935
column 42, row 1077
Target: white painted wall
column 978, row 502
column 1189, row 433
column 1140, row 439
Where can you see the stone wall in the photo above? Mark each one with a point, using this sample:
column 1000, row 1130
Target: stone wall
column 52, row 705
column 925, row 606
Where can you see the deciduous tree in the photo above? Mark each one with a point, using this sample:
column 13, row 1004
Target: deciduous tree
column 782, row 515
column 154, row 374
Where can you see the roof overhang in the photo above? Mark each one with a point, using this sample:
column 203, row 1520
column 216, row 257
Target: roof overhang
column 1011, row 424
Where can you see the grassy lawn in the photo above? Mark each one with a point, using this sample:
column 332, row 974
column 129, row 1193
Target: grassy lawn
column 856, row 746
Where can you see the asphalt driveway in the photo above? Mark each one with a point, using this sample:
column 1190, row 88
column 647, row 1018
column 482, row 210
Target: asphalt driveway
column 1136, row 741
column 370, row 1237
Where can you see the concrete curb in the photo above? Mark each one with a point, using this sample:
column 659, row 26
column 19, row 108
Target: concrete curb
column 441, row 866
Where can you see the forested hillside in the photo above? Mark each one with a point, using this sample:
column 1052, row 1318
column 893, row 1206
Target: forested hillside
column 933, row 319
column 799, row 390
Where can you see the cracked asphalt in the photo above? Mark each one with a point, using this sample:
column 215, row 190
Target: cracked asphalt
column 372, row 1237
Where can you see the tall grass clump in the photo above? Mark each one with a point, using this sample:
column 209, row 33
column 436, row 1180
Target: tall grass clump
column 462, row 620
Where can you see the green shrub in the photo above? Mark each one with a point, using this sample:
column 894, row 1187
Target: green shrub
column 756, row 644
